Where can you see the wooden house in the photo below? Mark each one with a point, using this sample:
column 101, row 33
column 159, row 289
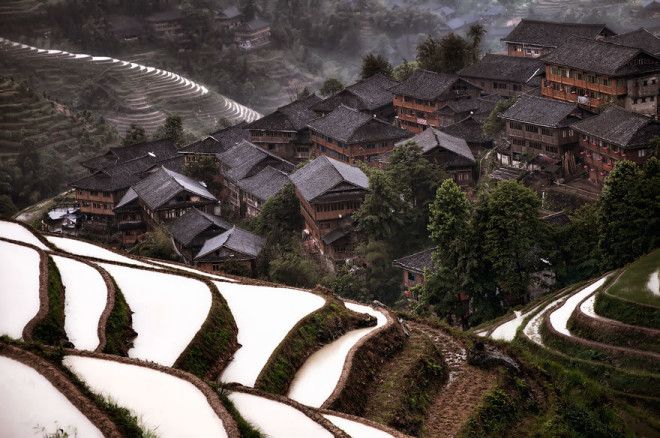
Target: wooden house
column 418, row 99
column 505, row 75
column 349, row 135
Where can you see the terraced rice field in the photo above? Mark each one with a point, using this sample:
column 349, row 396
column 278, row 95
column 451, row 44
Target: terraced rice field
column 167, row 405
column 19, row 288
column 134, row 93
column 318, row 377
column 32, row 406
column 264, row 316
column 86, row 249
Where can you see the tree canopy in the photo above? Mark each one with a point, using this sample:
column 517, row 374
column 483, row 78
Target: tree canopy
column 331, row 86
column 373, row 63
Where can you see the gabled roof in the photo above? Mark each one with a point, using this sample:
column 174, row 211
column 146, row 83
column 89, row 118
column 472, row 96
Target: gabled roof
column 599, row 57
column 505, row 68
column 230, row 12
column 469, row 129
column 255, row 25
column 553, row 34
column 292, row 117
column 243, row 159
column 540, row 111
column 186, row 228
column 323, row 174
column 366, row 95
column 416, row 262
column 640, row 38
column 164, row 184
column 349, row 125
column 623, row 128
column 475, row 105
column 265, row 184
column 432, row 139
column 424, row 84
column 235, row 239
column 156, row 150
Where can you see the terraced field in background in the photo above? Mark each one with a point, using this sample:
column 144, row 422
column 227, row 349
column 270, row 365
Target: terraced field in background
column 608, row 328
column 124, row 93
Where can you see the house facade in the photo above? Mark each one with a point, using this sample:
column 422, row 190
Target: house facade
column 615, row 134
column 414, row 267
column 284, row 132
column 349, row 136
column 253, row 34
column 596, row 73
column 418, row 99
column 539, row 126
column 535, row 38
column 330, row 191
column 505, row 75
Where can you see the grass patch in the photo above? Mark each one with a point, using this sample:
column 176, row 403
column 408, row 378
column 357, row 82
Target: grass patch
column 311, row 333
column 407, row 385
column 600, row 331
column 214, row 342
column 119, row 333
column 50, row 330
column 632, row 284
column 630, row 312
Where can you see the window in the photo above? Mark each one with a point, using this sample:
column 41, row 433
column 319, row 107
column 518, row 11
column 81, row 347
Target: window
column 517, row 87
column 606, row 82
column 411, row 276
column 551, row 149
column 531, row 128
column 535, row 145
column 546, row 131
column 516, row 125
column 619, row 82
column 518, row 142
column 641, row 153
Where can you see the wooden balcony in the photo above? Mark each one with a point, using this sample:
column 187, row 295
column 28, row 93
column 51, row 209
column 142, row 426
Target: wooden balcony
column 570, row 97
column 582, row 83
column 399, row 102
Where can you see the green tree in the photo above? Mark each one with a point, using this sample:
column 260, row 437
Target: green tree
column 628, row 212
column 404, row 70
column 379, row 277
column 249, row 10
column 476, row 35
column 511, row 237
column 493, row 125
column 172, row 129
column 280, row 215
column 204, row 169
column 447, row 55
column 157, row 244
column 7, row 207
column 134, row 135
column 303, row 93
column 373, row 63
column 429, row 56
column 294, row 269
column 383, row 214
column 331, row 86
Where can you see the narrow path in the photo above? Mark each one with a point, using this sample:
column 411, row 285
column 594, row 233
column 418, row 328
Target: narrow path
column 462, row 393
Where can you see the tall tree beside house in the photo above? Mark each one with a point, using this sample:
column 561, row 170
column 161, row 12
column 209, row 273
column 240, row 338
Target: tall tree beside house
column 383, row 214
column 280, row 215
column 429, row 56
column 511, row 240
column 446, row 55
column 331, row 86
column 449, row 226
column 157, row 244
column 475, row 34
column 628, row 214
column 204, row 169
column 7, row 206
column 172, row 129
column 134, row 135
column 493, row 124
column 373, row 63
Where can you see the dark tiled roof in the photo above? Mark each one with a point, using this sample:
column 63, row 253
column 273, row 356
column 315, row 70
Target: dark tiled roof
column 504, row 68
column 640, row 38
column 416, row 262
column 424, row 84
column 366, row 95
column 125, row 25
column 557, row 218
column 255, row 25
column 349, row 125
column 432, row 139
column 164, row 184
column 265, row 184
column 469, row 129
column 186, row 228
column 157, row 150
column 292, row 117
column 235, row 239
column 230, row 12
column 169, row 15
column 599, row 57
column 553, row 34
column 244, row 159
column 324, row 173
column 475, row 105
column 620, row 127
column 208, row 145
column 540, row 111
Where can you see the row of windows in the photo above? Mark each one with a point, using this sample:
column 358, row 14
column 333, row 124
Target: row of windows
column 98, row 205
column 535, row 145
column 334, row 154
column 536, row 129
column 337, row 206
column 644, row 99
column 579, row 91
column 581, row 76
